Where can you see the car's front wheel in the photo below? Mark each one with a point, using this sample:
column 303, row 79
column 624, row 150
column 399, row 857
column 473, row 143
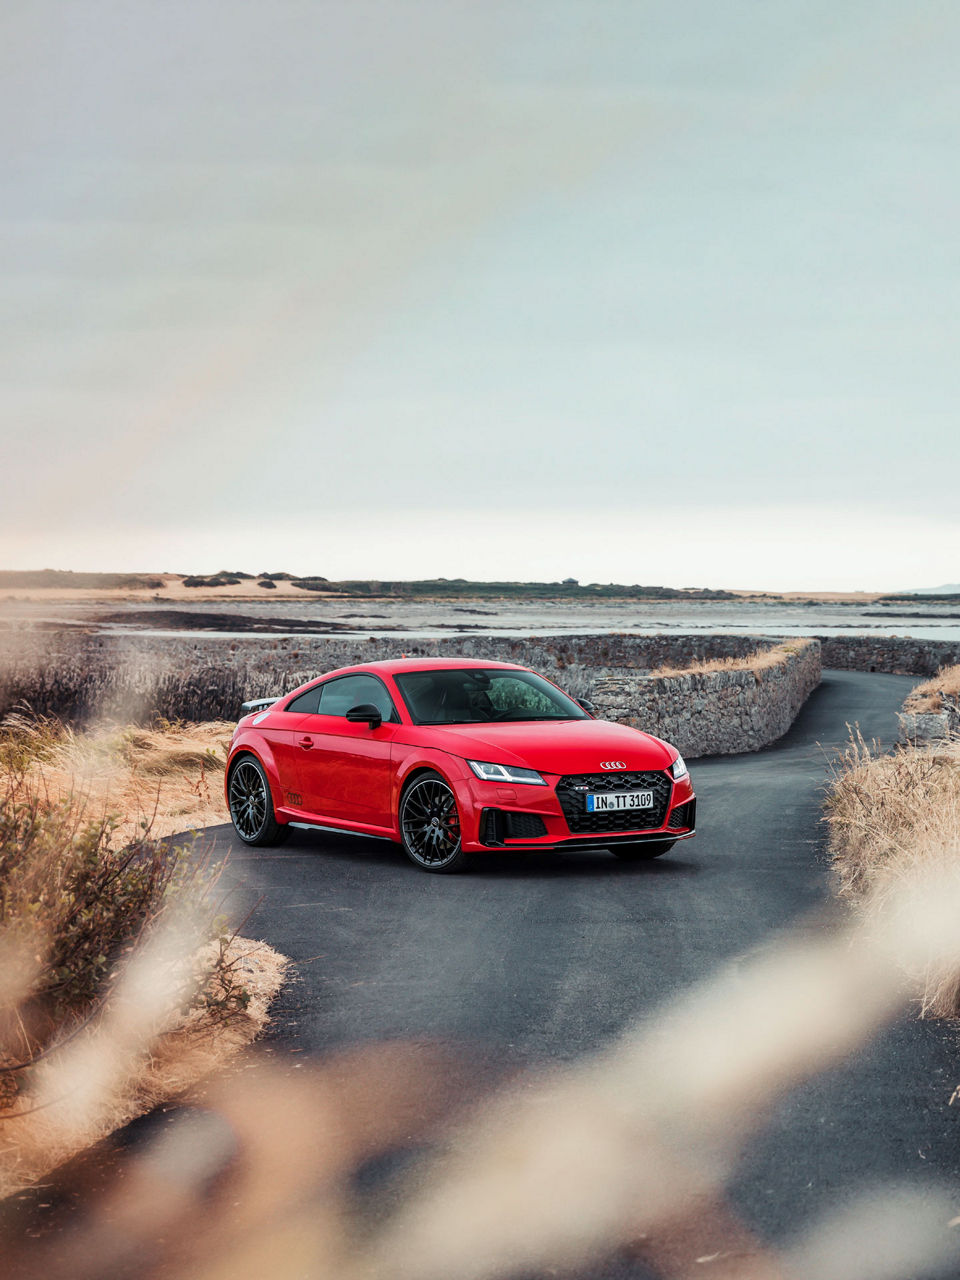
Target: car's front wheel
column 642, row 850
column 430, row 825
column 251, row 806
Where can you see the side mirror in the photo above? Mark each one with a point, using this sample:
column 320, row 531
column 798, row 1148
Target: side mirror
column 365, row 713
column 587, row 705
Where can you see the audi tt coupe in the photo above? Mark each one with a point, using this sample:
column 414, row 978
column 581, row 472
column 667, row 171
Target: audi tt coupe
column 451, row 759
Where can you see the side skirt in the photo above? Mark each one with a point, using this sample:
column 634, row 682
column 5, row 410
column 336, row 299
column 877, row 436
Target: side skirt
column 339, row 831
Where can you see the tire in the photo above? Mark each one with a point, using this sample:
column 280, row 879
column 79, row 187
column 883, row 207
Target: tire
column 251, row 805
column 642, row 851
column 430, row 825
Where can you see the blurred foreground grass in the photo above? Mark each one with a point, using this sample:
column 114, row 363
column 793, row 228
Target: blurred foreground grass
column 891, row 815
column 87, row 890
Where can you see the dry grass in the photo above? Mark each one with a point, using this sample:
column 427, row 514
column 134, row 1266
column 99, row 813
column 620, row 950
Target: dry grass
column 762, row 659
column 889, row 817
column 169, row 777
column 119, row 986
column 929, row 696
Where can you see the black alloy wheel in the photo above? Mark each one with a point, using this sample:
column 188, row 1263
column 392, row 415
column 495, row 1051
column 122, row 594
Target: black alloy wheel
column 642, row 850
column 430, row 825
column 251, row 807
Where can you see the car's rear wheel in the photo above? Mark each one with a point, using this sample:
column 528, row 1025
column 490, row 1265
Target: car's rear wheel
column 251, row 806
column 430, row 825
column 642, row 850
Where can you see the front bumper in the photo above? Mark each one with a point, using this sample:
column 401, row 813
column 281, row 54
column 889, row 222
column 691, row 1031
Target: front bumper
column 532, row 817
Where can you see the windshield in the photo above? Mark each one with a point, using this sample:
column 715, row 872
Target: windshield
column 473, row 695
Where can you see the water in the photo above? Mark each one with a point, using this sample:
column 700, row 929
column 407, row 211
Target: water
column 410, row 620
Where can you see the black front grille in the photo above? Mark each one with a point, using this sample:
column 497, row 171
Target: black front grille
column 572, row 792
column 683, row 816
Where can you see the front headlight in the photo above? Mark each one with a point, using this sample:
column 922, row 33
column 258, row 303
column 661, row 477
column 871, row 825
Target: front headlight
column 679, row 769
column 505, row 773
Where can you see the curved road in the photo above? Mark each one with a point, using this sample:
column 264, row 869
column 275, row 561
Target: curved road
column 545, row 957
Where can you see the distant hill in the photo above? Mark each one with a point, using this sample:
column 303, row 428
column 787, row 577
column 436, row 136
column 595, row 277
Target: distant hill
column 239, row 584
column 30, row 579
column 944, row 595
column 950, row 589
column 455, row 587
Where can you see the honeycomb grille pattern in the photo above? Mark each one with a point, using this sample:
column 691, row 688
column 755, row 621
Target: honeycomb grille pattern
column 572, row 792
column 683, row 816
column 523, row 826
column 497, row 825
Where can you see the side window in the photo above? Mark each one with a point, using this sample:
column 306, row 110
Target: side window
column 338, row 696
column 306, row 703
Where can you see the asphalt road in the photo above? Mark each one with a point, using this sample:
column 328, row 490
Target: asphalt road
column 544, row 957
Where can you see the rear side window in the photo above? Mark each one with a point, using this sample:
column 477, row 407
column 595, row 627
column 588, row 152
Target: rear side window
column 338, row 696
column 306, row 703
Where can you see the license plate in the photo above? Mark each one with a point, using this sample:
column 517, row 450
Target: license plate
column 609, row 800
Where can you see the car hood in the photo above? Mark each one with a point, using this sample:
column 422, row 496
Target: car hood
column 566, row 746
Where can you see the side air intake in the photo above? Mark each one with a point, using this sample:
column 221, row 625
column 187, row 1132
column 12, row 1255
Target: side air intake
column 257, row 704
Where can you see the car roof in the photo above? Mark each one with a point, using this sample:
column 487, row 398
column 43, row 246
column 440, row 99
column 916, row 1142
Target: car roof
column 397, row 666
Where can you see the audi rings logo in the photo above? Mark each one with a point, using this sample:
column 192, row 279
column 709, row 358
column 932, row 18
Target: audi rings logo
column 613, row 764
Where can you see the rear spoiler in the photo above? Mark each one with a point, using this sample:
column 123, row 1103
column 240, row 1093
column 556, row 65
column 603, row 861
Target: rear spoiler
column 257, row 704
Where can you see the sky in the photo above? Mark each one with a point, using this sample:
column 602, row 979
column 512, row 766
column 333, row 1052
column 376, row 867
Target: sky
column 622, row 290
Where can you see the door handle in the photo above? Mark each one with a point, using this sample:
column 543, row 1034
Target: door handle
column 306, row 743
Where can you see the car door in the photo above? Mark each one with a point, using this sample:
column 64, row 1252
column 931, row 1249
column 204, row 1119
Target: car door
column 345, row 770
column 282, row 732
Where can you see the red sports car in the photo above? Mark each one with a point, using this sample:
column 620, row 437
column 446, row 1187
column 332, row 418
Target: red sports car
column 450, row 759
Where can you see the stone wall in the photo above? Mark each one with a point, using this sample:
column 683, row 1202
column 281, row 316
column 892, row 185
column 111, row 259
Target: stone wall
column 922, row 721
column 606, row 649
column 203, row 677
column 930, row 726
column 716, row 712
column 894, row 654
